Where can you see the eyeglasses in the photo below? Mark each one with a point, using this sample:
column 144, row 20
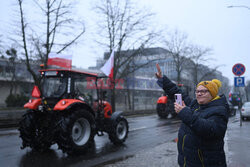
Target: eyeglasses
column 201, row 91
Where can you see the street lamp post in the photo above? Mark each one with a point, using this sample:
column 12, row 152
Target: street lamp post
column 248, row 8
column 239, row 6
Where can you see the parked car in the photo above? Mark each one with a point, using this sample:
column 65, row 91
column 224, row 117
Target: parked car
column 245, row 110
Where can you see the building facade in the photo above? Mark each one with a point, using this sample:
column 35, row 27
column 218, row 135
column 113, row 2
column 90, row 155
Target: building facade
column 14, row 78
column 140, row 90
column 140, row 93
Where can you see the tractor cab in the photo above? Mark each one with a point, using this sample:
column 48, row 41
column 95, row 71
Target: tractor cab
column 67, row 84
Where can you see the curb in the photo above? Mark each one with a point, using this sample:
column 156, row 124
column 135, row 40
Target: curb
column 10, row 118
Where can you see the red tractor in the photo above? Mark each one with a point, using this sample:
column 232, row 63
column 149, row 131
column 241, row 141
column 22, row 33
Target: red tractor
column 165, row 105
column 70, row 110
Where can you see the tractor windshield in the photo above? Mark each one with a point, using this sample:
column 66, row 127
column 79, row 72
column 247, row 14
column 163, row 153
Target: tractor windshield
column 54, row 86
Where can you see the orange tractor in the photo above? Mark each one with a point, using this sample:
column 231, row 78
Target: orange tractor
column 69, row 109
column 165, row 105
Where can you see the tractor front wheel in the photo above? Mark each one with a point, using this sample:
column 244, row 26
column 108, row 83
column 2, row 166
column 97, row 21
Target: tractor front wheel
column 77, row 131
column 119, row 131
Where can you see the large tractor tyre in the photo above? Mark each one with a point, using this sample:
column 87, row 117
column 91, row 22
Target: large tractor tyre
column 161, row 110
column 119, row 131
column 31, row 135
column 170, row 109
column 76, row 132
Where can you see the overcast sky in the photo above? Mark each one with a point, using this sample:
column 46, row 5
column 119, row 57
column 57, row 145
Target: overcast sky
column 209, row 23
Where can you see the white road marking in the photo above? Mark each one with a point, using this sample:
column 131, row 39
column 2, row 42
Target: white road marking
column 176, row 121
column 134, row 129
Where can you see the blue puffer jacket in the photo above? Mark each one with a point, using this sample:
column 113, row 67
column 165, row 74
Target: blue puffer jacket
column 203, row 127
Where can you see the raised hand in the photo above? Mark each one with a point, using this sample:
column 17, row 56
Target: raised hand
column 158, row 73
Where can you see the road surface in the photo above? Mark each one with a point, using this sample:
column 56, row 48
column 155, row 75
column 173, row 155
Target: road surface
column 144, row 132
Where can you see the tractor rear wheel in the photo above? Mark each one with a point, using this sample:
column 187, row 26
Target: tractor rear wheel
column 30, row 133
column 170, row 109
column 76, row 132
column 119, row 131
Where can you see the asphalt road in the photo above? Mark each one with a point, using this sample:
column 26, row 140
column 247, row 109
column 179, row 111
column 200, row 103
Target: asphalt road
column 145, row 132
column 238, row 141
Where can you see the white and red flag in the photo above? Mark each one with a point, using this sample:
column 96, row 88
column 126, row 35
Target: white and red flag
column 60, row 60
column 108, row 68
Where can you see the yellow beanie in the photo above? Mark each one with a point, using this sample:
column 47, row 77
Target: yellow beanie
column 212, row 86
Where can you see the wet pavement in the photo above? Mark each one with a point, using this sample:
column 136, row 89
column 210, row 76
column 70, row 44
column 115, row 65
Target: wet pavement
column 237, row 148
column 150, row 143
column 146, row 132
column 238, row 140
column 164, row 155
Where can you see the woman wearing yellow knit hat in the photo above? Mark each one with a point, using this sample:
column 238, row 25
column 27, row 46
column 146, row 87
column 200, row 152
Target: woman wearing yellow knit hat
column 204, row 123
column 207, row 86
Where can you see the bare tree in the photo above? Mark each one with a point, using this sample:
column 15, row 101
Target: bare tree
column 225, row 89
column 199, row 57
column 55, row 34
column 1, row 47
column 12, row 53
column 199, row 70
column 124, row 28
column 179, row 50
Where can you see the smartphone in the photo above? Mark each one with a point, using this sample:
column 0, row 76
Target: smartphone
column 178, row 99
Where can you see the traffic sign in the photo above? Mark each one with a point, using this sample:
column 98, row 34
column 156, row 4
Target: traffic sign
column 239, row 69
column 239, row 81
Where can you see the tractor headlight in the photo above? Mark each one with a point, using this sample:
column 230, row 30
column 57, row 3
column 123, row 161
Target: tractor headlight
column 63, row 102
